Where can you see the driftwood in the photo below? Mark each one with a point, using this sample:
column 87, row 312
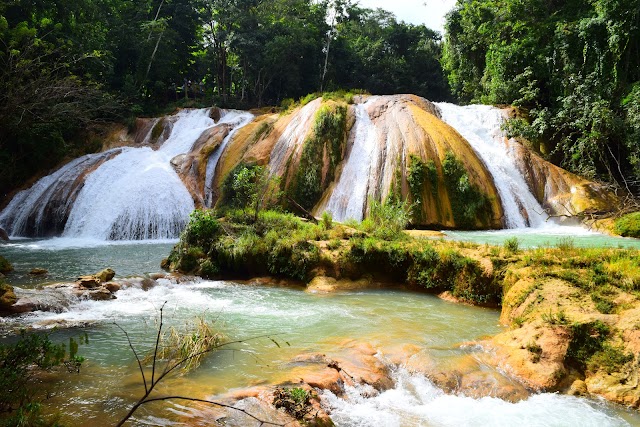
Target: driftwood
column 302, row 210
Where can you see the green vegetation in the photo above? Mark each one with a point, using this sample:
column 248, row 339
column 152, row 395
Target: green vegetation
column 5, row 266
column 295, row 401
column 469, row 205
column 587, row 339
column 628, row 225
column 572, row 68
column 327, row 140
column 20, row 365
column 512, row 245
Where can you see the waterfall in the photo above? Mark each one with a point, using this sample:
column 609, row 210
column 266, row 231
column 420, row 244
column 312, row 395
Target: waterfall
column 480, row 126
column 122, row 194
column 359, row 175
column 237, row 119
column 43, row 209
column 292, row 138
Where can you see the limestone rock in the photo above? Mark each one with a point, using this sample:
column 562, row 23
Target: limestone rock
column 105, row 275
column 112, row 287
column 88, row 282
column 3, row 235
column 7, row 296
column 38, row 271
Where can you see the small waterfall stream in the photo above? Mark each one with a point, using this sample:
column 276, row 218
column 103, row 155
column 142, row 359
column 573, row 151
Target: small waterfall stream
column 237, row 119
column 480, row 126
column 359, row 174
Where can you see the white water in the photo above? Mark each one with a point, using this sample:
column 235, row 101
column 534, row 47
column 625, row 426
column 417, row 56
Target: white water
column 357, row 180
column 28, row 207
column 238, row 120
column 135, row 195
column 480, row 126
column 416, row 401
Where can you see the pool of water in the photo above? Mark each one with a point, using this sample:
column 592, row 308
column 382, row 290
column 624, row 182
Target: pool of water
column 66, row 259
column 547, row 237
column 275, row 324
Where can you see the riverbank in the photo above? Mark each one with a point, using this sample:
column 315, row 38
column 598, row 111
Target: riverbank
column 574, row 313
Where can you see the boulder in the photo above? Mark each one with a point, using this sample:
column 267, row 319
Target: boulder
column 38, row 271
column 3, row 235
column 112, row 287
column 7, row 296
column 105, row 275
column 88, row 282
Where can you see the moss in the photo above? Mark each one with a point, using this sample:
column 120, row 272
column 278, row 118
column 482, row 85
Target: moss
column 610, row 359
column 157, row 130
column 327, row 139
column 628, row 225
column 5, row 266
column 470, row 206
column 587, row 339
column 7, row 295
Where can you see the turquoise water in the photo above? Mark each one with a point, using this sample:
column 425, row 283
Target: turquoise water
column 534, row 238
column 298, row 322
column 66, row 259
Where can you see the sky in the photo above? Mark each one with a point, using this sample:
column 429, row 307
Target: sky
column 428, row 12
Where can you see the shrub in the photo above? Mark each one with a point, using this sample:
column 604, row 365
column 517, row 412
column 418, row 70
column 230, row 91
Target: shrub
column 468, row 203
column 387, row 220
column 327, row 220
column 628, row 225
column 203, row 228
column 587, row 339
column 610, row 359
column 5, row 266
column 512, row 245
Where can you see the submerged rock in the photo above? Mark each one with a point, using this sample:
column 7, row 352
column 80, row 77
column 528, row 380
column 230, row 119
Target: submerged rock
column 38, row 271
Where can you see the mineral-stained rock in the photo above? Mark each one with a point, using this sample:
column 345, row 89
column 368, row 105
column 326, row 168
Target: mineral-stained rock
column 105, row 275
column 88, row 282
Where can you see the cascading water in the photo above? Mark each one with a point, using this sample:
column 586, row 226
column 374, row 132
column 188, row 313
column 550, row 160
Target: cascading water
column 237, row 119
column 43, row 209
column 349, row 197
column 480, row 126
column 292, row 138
column 136, row 194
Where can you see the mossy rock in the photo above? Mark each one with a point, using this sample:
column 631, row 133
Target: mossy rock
column 5, row 266
column 7, row 295
column 628, row 225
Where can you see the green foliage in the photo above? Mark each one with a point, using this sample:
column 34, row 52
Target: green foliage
column 203, row 226
column 628, row 225
column 610, row 359
column 387, row 220
column 573, row 68
column 20, row 364
column 250, row 188
column 295, row 401
column 5, row 266
column 587, row 339
column 327, row 220
column 328, row 136
column 468, row 203
column 512, row 245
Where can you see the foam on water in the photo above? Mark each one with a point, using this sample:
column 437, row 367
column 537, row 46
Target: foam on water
column 416, row 401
